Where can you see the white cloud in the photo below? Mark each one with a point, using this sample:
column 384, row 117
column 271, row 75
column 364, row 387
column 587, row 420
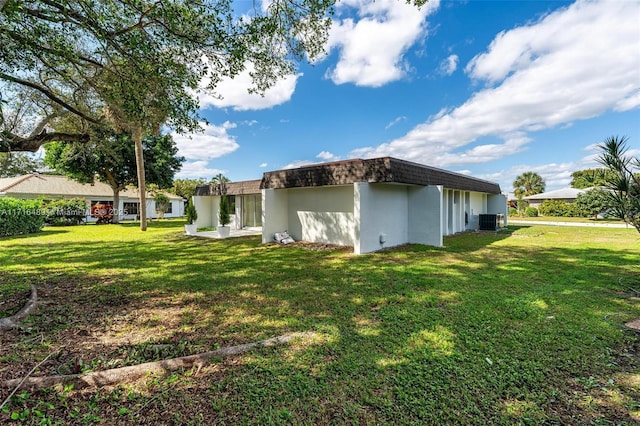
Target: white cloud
column 450, row 65
column 263, row 165
column 394, row 122
column 576, row 63
column 298, row 163
column 197, row 169
column 372, row 47
column 233, row 93
column 214, row 142
column 327, row 156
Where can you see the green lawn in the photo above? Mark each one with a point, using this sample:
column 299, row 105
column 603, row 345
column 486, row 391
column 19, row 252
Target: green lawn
column 523, row 326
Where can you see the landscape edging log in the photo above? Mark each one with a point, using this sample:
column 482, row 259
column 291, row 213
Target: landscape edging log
column 133, row 372
column 14, row 320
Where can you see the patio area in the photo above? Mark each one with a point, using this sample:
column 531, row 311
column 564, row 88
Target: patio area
column 232, row 234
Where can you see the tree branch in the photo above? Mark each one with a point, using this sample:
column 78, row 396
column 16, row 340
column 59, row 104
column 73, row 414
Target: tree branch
column 49, row 95
column 10, row 142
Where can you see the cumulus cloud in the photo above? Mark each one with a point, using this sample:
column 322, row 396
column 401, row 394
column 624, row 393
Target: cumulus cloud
column 214, row 142
column 233, row 93
column 449, row 65
column 372, row 46
column 263, row 165
column 299, row 163
column 327, row 156
column 197, row 169
column 573, row 64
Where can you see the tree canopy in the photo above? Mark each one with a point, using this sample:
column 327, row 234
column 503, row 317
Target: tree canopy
column 110, row 158
column 528, row 183
column 624, row 181
column 589, row 178
column 17, row 163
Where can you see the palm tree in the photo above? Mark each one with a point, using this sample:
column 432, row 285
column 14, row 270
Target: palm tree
column 624, row 183
column 528, row 183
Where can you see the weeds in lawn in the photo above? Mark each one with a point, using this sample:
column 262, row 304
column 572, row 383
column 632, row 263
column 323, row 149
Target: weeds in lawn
column 522, row 326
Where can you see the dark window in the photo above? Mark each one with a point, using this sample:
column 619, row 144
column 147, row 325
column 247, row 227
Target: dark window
column 131, row 208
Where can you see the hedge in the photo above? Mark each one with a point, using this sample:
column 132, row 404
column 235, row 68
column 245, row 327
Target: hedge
column 19, row 217
column 65, row 212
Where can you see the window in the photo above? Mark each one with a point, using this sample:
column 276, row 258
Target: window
column 131, row 208
column 169, row 208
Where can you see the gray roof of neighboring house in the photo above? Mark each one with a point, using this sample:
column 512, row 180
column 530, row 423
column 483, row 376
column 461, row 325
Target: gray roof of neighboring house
column 558, row 194
column 375, row 170
column 61, row 186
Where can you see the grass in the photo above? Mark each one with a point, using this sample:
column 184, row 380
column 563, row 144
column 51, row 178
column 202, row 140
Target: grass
column 567, row 219
column 523, row 326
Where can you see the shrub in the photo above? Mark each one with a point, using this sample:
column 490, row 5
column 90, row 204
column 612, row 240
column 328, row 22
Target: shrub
column 531, row 212
column 557, row 208
column 513, row 211
column 593, row 202
column 20, row 216
column 65, row 212
column 224, row 214
column 191, row 212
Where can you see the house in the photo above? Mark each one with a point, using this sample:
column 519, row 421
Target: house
column 51, row 187
column 368, row 204
column 567, row 195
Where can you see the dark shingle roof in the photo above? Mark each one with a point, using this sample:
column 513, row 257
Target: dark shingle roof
column 233, row 188
column 375, row 170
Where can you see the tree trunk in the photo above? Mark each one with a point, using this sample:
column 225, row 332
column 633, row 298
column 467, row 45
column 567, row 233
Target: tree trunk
column 116, row 205
column 137, row 139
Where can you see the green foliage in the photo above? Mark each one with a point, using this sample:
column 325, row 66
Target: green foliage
column 162, row 203
column 16, row 164
column 589, row 178
column 624, row 182
column 558, row 208
column 19, row 217
column 531, row 212
column 223, row 213
column 191, row 212
column 186, row 188
column 65, row 212
column 593, row 202
column 513, row 211
column 528, row 183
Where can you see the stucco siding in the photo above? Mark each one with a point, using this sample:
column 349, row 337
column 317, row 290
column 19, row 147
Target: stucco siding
column 323, row 215
column 383, row 216
column 275, row 216
column 424, row 215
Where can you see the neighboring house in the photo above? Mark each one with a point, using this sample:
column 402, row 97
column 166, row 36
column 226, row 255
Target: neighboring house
column 368, row 204
column 567, row 195
column 50, row 187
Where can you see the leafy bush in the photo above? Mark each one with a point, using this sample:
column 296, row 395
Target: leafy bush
column 20, row 216
column 531, row 212
column 65, row 212
column 593, row 202
column 513, row 211
column 557, row 208
column 191, row 212
column 224, row 214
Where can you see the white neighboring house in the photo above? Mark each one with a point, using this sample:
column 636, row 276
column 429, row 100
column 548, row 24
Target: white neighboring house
column 51, row 187
column 368, row 204
column 567, row 195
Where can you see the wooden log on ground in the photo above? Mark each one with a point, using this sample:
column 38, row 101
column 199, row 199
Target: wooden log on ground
column 134, row 372
column 14, row 320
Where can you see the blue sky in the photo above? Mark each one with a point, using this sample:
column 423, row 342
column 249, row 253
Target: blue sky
column 486, row 88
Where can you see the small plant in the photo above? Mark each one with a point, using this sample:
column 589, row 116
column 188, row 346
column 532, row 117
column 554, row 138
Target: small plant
column 224, row 214
column 162, row 202
column 191, row 213
column 531, row 212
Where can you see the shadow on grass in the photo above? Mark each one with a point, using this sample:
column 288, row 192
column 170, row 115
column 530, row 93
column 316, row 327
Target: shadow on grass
column 489, row 329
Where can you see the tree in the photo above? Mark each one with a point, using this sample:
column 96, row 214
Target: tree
column 528, row 183
column 186, row 188
column 16, row 164
column 110, row 158
column 624, row 183
column 589, row 178
column 593, row 202
column 162, row 203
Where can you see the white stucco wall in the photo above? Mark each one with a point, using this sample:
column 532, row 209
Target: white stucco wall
column 497, row 204
column 206, row 213
column 477, row 206
column 321, row 215
column 382, row 210
column 424, row 215
column 275, row 216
